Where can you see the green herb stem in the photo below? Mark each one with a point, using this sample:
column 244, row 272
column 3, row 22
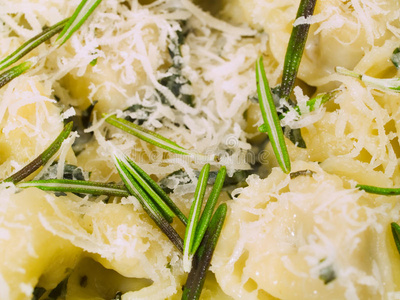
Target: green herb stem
column 14, row 72
column 32, row 44
column 271, row 118
column 150, row 137
column 159, row 191
column 148, row 206
column 82, row 12
column 202, row 258
column 209, row 208
column 77, row 186
column 295, row 48
column 145, row 189
column 379, row 190
column 396, row 235
column 43, row 158
column 194, row 216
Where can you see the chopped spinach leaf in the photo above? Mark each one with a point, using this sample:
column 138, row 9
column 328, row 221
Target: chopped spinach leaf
column 327, row 274
column 59, row 291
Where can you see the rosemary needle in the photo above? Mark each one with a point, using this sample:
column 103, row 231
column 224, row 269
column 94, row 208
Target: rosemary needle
column 194, row 216
column 295, row 48
column 202, row 258
column 379, row 190
column 151, row 137
column 43, row 158
column 77, row 186
column 148, row 206
column 270, row 117
column 396, row 235
column 157, row 189
column 32, row 44
column 144, row 188
column 14, row 72
column 209, row 208
column 82, row 12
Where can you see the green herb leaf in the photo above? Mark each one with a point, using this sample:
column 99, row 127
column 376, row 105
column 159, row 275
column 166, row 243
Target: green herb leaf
column 32, row 44
column 306, row 172
column 194, row 216
column 396, row 58
column 202, row 258
column 59, row 291
column 295, row 48
column 396, row 234
column 159, row 191
column 148, row 206
column 209, row 208
column 379, row 190
column 271, row 118
column 384, row 84
column 43, row 158
column 14, row 72
column 82, row 12
column 150, row 137
column 77, row 186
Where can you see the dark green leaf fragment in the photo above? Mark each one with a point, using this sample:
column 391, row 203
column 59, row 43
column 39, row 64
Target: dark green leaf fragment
column 396, row 58
column 59, row 291
column 202, row 258
column 81, row 122
column 176, row 81
column 14, row 72
column 295, row 48
column 38, row 292
column 396, row 234
column 301, row 173
column 43, row 158
column 93, row 62
column 327, row 274
column 31, row 44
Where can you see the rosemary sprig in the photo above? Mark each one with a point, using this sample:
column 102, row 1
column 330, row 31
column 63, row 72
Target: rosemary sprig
column 43, row 158
column 194, row 216
column 295, row 48
column 202, row 258
column 385, row 84
column 14, row 72
column 396, row 234
column 82, row 12
column 271, row 118
column 32, row 44
column 379, row 190
column 312, row 104
column 157, row 189
column 148, row 206
column 150, row 137
column 143, row 190
column 77, row 186
column 209, row 208
column 141, row 185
